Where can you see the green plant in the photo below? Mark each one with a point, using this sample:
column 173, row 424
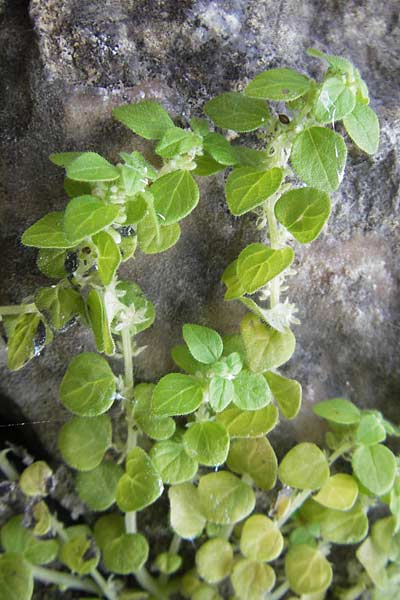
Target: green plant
column 228, row 387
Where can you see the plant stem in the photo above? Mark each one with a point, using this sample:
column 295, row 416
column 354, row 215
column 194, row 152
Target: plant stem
column 128, row 358
column 174, row 545
column 18, row 309
column 64, row 580
column 279, row 592
column 106, row 589
column 150, row 584
column 9, row 471
column 274, row 240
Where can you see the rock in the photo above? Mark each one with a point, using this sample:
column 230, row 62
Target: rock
column 66, row 64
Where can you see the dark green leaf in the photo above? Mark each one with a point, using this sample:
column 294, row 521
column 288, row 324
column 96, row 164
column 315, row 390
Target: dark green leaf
column 256, row 458
column 141, row 485
column 126, row 554
column 16, row 580
column 99, row 322
column 220, row 149
column 175, row 196
column 177, row 394
column 177, row 141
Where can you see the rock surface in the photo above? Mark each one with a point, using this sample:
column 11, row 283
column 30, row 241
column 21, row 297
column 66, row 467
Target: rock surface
column 66, row 63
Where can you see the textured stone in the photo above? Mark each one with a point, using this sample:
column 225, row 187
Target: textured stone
column 66, row 63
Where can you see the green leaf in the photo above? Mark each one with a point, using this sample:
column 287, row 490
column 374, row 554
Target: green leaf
column 374, row 562
column 370, row 430
column 60, row 304
column 248, row 423
column 287, row 393
column 303, row 212
column 147, row 118
column 83, row 442
column 108, row 528
column 256, row 458
column 207, row 442
column 278, row 84
column 247, row 188
column 249, row 157
column 304, row 467
column 90, row 166
column 99, row 322
column 234, row 287
column 205, row 592
column 339, row 492
column 168, row 563
column 261, row 539
column 15, row 538
column 257, row 264
column 307, row 570
column 154, row 239
column 204, row 343
column 76, row 188
column 88, row 387
column 177, row 394
column 183, row 359
column 251, row 580
column 318, row 157
column 158, row 428
column 16, row 580
column 97, row 488
column 36, row 479
column 26, row 339
column 206, row 165
column 251, row 391
column 127, row 554
column 266, row 348
column 87, row 215
column 224, row 498
column 63, row 159
column 344, row 526
column 50, row 261
column 141, row 485
column 200, row 126
column 135, row 210
column 80, row 554
column 362, row 125
column 177, row 141
column 221, row 393
column 108, row 256
column 187, row 518
column 338, row 410
column 335, row 101
column 127, row 247
column 375, row 467
column 232, row 110
column 220, row 149
column 214, row 560
column 48, row 232
column 175, row 196
column 338, row 63
column 172, row 462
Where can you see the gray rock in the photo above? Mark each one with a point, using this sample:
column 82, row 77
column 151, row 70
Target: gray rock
column 66, row 63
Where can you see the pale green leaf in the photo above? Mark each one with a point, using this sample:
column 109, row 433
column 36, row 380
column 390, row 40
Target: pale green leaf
column 48, row 232
column 87, row 215
column 278, row 84
column 214, row 560
column 97, row 488
column 141, row 485
column 251, row 391
column 172, row 462
column 108, row 256
column 339, row 492
column 307, row 570
column 176, row 141
column 266, row 348
column 304, row 467
column 287, row 393
column 303, row 212
column 126, row 554
column 335, row 101
column 84, row 441
column 256, row 458
column 147, row 118
column 177, row 394
column 88, row 387
column 224, row 498
column 232, row 110
column 90, row 166
column 338, row 410
column 16, row 579
column 375, row 467
column 261, row 539
column 175, row 196
column 187, row 518
column 318, row 157
column 251, row 580
column 207, row 442
column 248, row 423
column 204, row 343
column 362, row 125
column 257, row 264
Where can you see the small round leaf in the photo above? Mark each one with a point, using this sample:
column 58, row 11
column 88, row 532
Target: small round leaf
column 251, row 580
column 224, row 498
column 207, row 442
column 307, row 570
column 261, row 539
column 214, row 560
column 304, row 467
column 88, row 387
column 83, row 441
column 375, row 467
column 97, row 488
column 126, row 554
column 339, row 492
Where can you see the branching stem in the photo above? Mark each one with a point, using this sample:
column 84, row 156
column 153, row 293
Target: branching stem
column 64, row 580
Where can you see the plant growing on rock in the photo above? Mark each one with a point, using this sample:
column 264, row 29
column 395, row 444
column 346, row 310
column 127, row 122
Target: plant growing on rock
column 202, row 432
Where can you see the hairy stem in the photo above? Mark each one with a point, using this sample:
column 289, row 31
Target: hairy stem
column 64, row 580
column 274, row 240
column 18, row 309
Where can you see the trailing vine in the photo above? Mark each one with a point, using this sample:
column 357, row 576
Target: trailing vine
column 201, row 433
